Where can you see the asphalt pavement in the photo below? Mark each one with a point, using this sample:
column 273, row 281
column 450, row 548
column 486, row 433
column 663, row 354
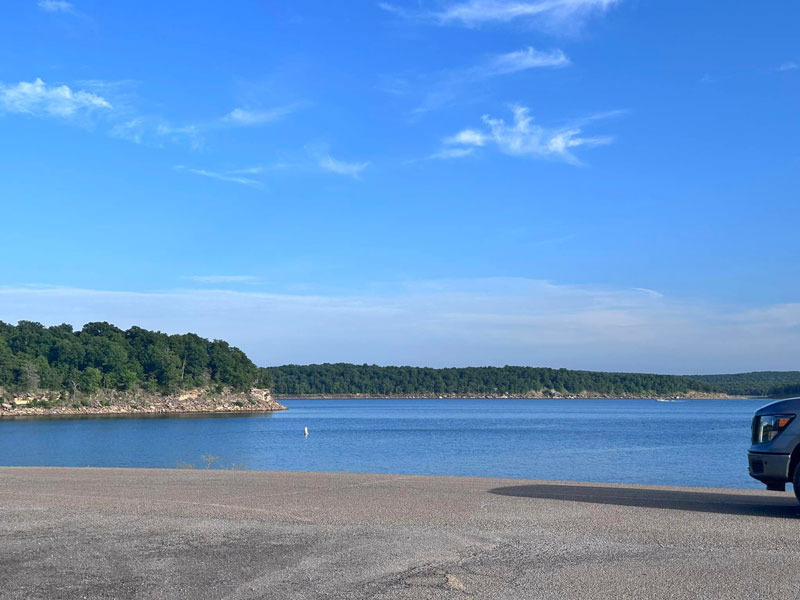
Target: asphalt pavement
column 140, row 533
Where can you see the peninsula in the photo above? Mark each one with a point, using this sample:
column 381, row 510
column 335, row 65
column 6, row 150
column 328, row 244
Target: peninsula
column 102, row 369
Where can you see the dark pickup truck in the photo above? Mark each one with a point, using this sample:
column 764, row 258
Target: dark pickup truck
column 775, row 452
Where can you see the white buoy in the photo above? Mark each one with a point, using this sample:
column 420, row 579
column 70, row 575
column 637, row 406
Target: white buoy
column 306, row 431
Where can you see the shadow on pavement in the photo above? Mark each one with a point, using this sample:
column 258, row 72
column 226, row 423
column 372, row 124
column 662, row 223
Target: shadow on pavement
column 781, row 505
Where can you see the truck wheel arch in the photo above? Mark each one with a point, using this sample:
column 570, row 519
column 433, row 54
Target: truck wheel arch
column 794, row 461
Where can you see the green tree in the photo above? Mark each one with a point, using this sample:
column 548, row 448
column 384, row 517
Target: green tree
column 90, row 380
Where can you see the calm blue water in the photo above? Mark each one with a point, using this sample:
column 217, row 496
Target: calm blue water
column 696, row 442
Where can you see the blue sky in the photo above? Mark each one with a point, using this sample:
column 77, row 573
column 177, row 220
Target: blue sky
column 591, row 184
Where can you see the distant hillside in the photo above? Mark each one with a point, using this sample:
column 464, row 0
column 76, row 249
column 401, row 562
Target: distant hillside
column 757, row 383
column 347, row 379
column 101, row 357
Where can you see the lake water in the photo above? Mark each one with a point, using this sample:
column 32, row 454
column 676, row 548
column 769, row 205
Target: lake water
column 694, row 442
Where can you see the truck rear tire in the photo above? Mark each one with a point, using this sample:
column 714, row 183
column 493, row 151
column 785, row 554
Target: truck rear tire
column 796, row 482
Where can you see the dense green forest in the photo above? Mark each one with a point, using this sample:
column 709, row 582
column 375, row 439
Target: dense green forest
column 343, row 378
column 757, row 383
column 102, row 356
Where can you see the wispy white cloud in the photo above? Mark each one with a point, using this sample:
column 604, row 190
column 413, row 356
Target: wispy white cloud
column 525, row 138
column 340, row 167
column 649, row 292
column 224, row 278
column 247, row 171
column 506, row 64
column 56, row 6
column 176, row 133
column 143, row 129
column 477, row 12
column 156, row 131
column 132, row 130
column 38, row 99
column 450, row 323
column 397, row 10
column 445, row 87
column 468, row 137
column 553, row 14
column 789, row 65
column 243, row 116
column 521, row 60
column 114, row 104
column 445, row 153
column 229, row 176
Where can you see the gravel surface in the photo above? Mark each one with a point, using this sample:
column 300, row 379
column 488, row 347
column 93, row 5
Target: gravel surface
column 141, row 533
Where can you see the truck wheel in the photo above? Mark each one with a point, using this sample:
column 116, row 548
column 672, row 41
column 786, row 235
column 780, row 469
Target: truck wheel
column 796, row 482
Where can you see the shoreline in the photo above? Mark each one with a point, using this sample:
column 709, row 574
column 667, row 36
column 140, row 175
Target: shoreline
column 72, row 413
column 262, row 401
column 194, row 402
column 530, row 396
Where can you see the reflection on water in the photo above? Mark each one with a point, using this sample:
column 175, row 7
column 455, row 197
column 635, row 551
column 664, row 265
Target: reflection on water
column 698, row 442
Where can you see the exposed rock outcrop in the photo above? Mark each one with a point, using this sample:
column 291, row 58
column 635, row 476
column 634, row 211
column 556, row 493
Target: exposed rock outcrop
column 138, row 402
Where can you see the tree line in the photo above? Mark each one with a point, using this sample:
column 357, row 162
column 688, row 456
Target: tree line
column 343, row 379
column 102, row 356
column 756, row 383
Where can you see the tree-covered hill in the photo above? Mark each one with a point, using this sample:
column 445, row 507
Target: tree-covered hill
column 757, row 383
column 102, row 356
column 343, row 379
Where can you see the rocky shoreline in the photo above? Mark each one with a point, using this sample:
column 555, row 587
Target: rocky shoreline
column 256, row 400
column 125, row 403
column 549, row 394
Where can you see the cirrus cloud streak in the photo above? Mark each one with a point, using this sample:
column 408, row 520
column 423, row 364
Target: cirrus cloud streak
column 556, row 15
